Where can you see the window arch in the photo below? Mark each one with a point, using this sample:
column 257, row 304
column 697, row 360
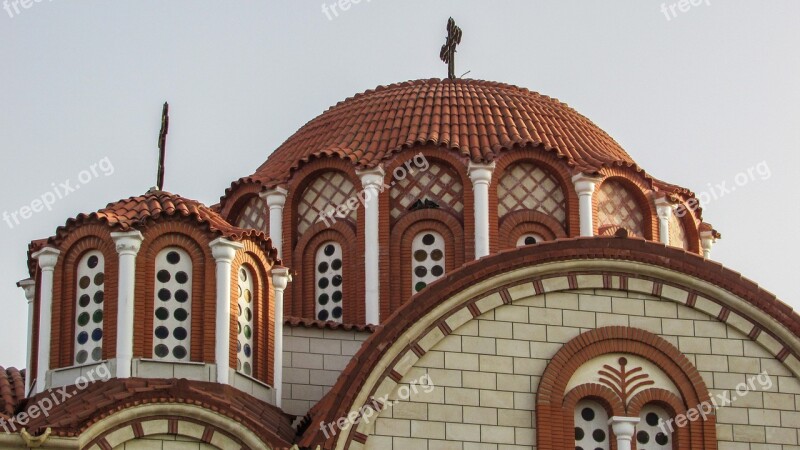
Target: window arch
column 427, row 259
column 90, row 296
column 528, row 186
column 173, row 305
column 328, row 282
column 255, row 215
column 245, row 334
column 591, row 426
column 617, row 207
column 439, row 186
column 650, row 434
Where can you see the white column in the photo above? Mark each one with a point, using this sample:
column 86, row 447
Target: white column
column 47, row 258
column 223, row 252
column 372, row 180
column 276, row 199
column 664, row 211
column 29, row 286
column 584, row 186
column 707, row 240
column 280, row 279
column 623, row 428
column 127, row 244
column 481, row 176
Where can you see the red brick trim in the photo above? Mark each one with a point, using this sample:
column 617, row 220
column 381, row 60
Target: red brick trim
column 77, row 243
column 295, row 257
column 236, row 200
column 515, row 224
column 303, row 303
column 254, row 259
column 690, row 225
column 555, row 165
column 138, row 430
column 554, row 422
column 403, row 233
column 642, row 190
column 352, row 381
column 674, row 406
column 195, row 243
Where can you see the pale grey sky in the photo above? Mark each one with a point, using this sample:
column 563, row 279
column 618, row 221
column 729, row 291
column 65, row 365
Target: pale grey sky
column 696, row 99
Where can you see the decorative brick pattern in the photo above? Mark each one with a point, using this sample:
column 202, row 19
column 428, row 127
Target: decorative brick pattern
column 677, row 233
column 618, row 208
column 440, row 183
column 255, row 215
column 327, row 191
column 525, row 186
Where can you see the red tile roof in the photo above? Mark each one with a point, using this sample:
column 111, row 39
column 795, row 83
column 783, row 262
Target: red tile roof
column 477, row 118
column 101, row 399
column 12, row 390
column 138, row 212
column 311, row 323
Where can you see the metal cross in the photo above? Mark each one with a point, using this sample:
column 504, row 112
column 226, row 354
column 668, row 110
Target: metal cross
column 448, row 53
column 162, row 145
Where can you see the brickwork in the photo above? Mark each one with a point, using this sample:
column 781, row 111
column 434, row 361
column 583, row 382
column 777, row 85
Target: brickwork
column 313, row 358
column 488, row 373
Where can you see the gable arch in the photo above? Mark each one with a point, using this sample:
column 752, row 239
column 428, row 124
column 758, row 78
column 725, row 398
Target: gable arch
column 480, row 287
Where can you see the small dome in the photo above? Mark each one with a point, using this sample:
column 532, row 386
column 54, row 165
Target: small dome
column 477, row 118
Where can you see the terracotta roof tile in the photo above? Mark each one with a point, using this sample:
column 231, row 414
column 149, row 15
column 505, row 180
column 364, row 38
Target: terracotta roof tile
column 101, row 399
column 477, row 118
column 139, row 212
column 12, row 390
column 311, row 323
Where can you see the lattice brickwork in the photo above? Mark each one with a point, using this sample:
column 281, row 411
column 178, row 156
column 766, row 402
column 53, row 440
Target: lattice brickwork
column 677, row 233
column 618, row 207
column 255, row 215
column 326, row 193
column 525, row 186
column 439, row 183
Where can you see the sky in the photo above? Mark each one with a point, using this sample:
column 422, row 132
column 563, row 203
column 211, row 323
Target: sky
column 706, row 97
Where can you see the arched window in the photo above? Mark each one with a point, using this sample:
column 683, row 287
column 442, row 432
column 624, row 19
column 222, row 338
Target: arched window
column 529, row 239
column 254, row 215
column 650, row 433
column 328, row 279
column 618, row 208
column 244, row 336
column 677, row 232
column 89, row 308
column 591, row 426
column 173, row 305
column 427, row 259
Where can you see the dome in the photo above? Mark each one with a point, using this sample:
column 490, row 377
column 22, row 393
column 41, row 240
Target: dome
column 477, row 118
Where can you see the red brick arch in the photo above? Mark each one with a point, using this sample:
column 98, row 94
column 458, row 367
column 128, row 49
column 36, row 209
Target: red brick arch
column 76, row 244
column 186, row 236
column 303, row 304
column 400, row 250
column 555, row 421
column 517, row 223
column 641, row 189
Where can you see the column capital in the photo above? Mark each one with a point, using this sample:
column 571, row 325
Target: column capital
column 371, row 178
column 29, row 286
column 224, row 250
column 585, row 183
column 624, row 428
column 128, row 242
column 47, row 257
column 281, row 277
column 275, row 197
column 480, row 173
column 664, row 208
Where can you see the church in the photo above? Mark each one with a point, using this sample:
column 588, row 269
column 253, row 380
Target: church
column 439, row 264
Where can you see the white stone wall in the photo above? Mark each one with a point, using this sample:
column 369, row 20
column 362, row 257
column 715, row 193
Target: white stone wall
column 312, row 361
column 487, row 373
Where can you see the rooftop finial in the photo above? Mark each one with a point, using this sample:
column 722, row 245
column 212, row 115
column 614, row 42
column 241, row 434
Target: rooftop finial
column 448, row 53
column 162, row 146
